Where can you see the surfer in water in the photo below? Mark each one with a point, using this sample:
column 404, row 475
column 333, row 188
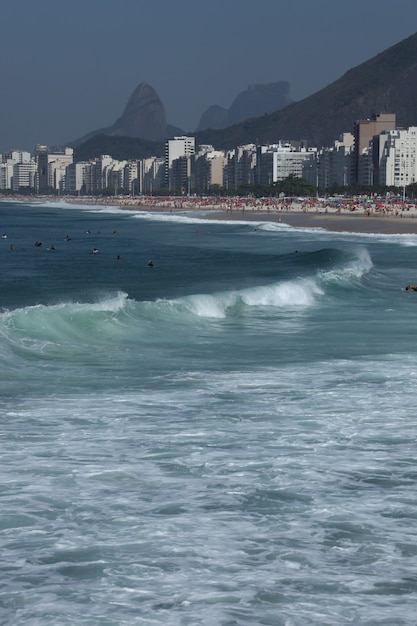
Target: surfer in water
column 150, row 263
column 411, row 288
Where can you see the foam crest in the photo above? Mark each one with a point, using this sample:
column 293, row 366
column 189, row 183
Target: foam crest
column 287, row 294
column 209, row 305
column 188, row 218
column 353, row 270
column 276, row 227
column 293, row 293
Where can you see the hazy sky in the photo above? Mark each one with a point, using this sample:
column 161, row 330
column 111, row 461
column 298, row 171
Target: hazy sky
column 69, row 66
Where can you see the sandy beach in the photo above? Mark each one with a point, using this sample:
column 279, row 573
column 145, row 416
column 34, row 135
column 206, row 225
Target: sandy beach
column 346, row 222
column 347, row 216
column 395, row 218
column 341, row 216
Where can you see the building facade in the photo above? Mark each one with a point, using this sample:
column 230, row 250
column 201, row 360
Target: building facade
column 175, row 149
column 363, row 133
column 51, row 164
column 397, row 163
column 279, row 161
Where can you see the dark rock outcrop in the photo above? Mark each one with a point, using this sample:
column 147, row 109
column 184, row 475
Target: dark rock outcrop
column 257, row 100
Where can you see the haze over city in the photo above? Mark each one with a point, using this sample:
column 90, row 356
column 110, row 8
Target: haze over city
column 70, row 69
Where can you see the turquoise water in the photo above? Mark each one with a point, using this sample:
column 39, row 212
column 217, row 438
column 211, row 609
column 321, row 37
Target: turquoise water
column 226, row 438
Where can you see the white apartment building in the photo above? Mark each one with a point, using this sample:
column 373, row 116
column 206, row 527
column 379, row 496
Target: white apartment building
column 114, row 174
column 151, row 175
column 176, row 148
column 16, row 156
column 241, row 166
column 99, row 176
column 56, row 174
column 76, row 176
column 51, row 166
column 277, row 162
column 24, row 176
column 398, row 157
column 6, row 175
column 131, row 177
column 7, row 162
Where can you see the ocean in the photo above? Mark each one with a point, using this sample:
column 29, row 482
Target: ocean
column 226, row 438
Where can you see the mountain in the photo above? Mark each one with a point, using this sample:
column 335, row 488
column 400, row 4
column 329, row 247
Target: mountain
column 254, row 102
column 143, row 118
column 214, row 117
column 387, row 83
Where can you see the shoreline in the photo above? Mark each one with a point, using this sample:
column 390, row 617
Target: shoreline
column 352, row 223
column 365, row 218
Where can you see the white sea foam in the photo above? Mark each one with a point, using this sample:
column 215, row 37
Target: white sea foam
column 287, row 294
column 179, row 458
column 294, row 293
column 190, row 217
column 405, row 239
column 352, row 270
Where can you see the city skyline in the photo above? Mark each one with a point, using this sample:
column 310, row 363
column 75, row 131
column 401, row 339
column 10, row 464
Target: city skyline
column 68, row 73
column 377, row 153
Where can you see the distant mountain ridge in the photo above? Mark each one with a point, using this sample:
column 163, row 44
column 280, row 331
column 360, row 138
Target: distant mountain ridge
column 255, row 101
column 387, row 83
column 144, row 115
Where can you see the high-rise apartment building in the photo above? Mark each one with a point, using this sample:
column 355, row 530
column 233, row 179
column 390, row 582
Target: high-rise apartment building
column 363, row 132
column 47, row 175
column 76, row 176
column 176, row 148
column 398, row 157
column 24, row 176
column 277, row 162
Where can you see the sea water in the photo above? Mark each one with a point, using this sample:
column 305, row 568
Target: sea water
column 225, row 438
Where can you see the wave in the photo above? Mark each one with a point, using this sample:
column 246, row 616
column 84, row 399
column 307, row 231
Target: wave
column 286, row 294
column 45, row 329
column 353, row 270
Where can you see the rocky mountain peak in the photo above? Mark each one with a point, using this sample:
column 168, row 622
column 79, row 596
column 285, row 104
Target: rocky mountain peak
column 143, row 117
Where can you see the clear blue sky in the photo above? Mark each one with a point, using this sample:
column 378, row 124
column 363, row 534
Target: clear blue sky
column 69, row 66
